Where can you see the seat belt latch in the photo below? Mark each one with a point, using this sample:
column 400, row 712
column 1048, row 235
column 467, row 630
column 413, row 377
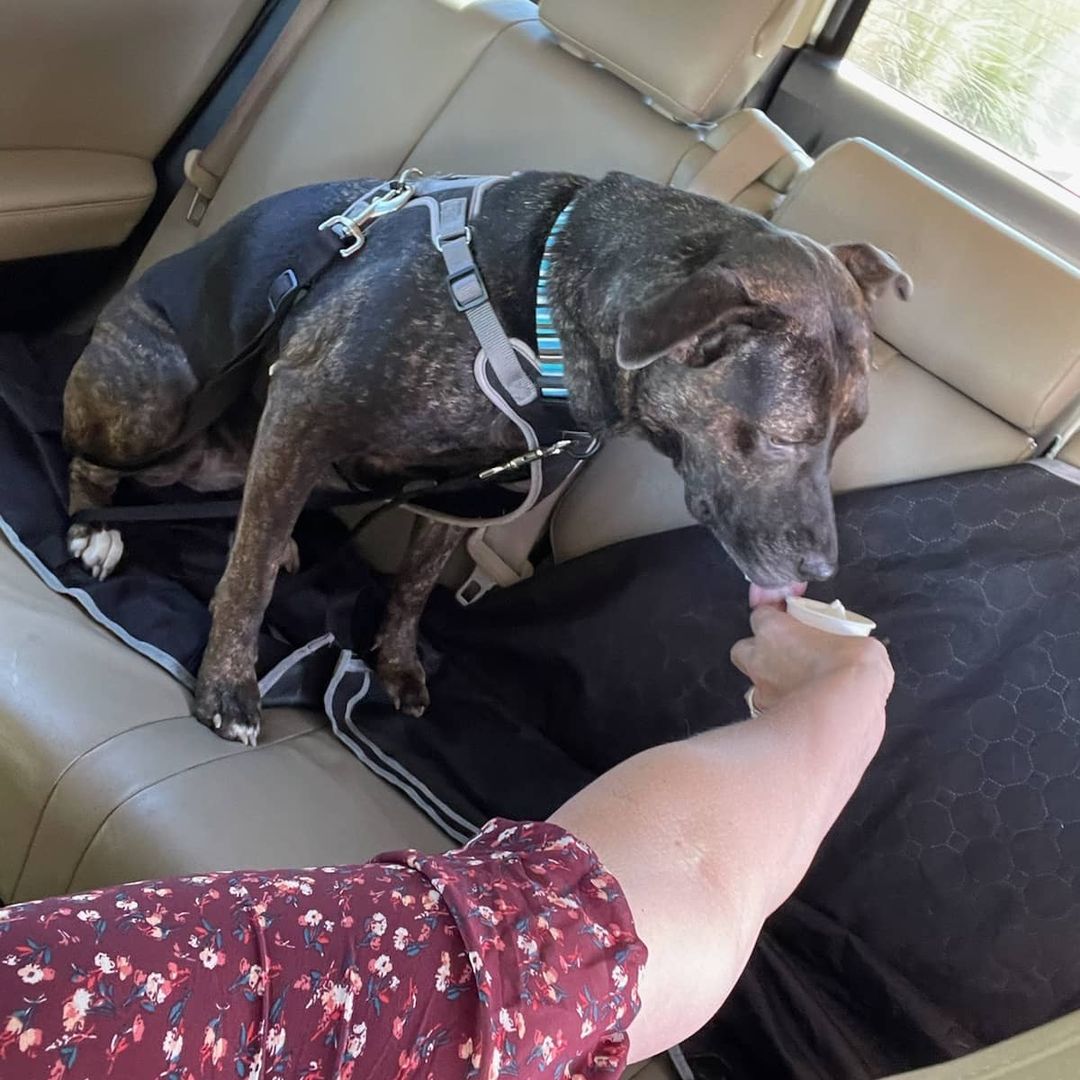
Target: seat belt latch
column 490, row 570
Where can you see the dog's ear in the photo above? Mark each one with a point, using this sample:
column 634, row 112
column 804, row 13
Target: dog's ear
column 874, row 270
column 673, row 323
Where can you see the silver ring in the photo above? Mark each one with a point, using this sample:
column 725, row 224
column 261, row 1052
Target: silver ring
column 755, row 712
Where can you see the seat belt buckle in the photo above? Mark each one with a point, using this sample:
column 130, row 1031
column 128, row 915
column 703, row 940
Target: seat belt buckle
column 490, row 570
column 467, row 290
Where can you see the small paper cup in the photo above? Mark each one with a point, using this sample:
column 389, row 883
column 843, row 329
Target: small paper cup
column 833, row 618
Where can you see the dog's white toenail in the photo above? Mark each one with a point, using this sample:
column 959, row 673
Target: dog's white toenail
column 113, row 554
column 217, row 721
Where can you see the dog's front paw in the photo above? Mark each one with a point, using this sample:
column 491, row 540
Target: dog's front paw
column 406, row 684
column 96, row 547
column 230, row 710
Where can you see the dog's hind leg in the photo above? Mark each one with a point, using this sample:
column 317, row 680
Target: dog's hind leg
column 287, row 461
column 398, row 666
column 124, row 404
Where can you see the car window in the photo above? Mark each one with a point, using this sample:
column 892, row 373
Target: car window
column 1007, row 71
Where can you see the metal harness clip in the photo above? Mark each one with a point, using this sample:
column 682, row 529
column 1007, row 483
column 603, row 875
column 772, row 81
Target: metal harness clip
column 527, row 458
column 353, row 222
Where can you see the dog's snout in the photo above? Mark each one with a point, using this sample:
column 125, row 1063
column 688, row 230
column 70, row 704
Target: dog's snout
column 816, row 567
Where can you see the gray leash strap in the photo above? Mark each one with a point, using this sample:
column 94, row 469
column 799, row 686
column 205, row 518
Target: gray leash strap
column 470, row 297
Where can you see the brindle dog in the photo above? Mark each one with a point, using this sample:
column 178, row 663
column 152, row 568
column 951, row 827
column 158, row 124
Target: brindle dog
column 739, row 349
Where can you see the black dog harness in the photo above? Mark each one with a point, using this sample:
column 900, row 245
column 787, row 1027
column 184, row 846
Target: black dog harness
column 529, row 393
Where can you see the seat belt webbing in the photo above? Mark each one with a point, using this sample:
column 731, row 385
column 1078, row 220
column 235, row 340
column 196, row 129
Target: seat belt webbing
column 205, row 169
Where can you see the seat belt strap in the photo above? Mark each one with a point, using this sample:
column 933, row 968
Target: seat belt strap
column 205, row 169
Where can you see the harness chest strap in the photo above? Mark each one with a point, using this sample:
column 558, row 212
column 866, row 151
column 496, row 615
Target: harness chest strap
column 500, row 549
column 502, row 364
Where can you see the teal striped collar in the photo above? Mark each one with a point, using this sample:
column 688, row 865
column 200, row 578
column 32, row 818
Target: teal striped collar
column 549, row 349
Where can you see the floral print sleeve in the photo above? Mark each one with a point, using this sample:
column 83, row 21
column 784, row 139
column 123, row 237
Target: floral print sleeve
column 514, row 956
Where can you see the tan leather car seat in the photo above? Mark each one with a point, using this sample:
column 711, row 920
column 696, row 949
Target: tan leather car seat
column 91, row 94
column 977, row 369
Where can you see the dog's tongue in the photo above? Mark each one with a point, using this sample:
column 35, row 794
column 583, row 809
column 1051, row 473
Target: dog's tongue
column 760, row 596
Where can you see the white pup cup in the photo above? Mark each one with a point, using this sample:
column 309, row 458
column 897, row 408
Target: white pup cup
column 833, row 618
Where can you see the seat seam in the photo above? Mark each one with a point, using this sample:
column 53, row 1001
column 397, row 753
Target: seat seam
column 711, row 98
column 60, row 208
column 621, row 72
column 164, row 779
column 73, row 150
column 59, row 780
column 956, row 390
column 441, row 110
column 1054, row 388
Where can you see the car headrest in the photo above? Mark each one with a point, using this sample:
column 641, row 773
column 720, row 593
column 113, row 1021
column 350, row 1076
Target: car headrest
column 693, row 59
column 993, row 314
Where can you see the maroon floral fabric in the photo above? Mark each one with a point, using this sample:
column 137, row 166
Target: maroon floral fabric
column 514, row 956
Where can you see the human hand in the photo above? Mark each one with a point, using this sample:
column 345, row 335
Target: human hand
column 784, row 656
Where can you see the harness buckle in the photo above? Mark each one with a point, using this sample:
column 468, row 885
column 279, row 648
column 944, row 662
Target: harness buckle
column 281, row 288
column 467, row 289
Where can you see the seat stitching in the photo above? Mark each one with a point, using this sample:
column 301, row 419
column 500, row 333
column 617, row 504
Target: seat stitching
column 638, row 82
column 735, row 60
column 1054, row 388
column 59, row 780
column 61, row 208
column 164, row 779
column 440, row 112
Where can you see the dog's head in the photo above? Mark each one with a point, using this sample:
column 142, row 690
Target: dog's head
column 753, row 369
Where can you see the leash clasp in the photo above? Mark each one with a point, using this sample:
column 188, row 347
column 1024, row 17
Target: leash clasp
column 344, row 226
column 358, row 216
column 527, row 458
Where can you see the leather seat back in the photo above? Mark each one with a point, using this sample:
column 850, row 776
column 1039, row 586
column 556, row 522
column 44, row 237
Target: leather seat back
column 694, row 63
column 453, row 85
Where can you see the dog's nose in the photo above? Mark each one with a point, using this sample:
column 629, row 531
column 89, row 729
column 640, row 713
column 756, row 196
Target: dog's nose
column 816, row 567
